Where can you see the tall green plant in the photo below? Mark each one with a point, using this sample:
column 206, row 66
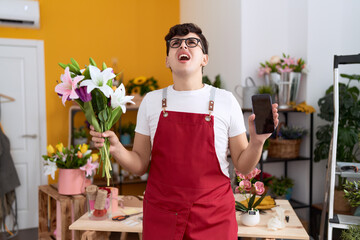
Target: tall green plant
column 349, row 122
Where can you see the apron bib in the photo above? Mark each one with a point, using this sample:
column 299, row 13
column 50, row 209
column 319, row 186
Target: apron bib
column 187, row 195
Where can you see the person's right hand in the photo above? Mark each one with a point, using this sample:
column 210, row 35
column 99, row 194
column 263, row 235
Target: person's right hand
column 99, row 139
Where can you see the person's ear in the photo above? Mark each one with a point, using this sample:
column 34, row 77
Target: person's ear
column 205, row 60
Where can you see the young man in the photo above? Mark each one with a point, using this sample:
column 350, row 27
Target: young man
column 187, row 128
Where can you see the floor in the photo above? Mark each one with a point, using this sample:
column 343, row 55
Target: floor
column 32, row 234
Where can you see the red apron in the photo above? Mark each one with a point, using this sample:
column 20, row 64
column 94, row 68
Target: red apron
column 187, row 195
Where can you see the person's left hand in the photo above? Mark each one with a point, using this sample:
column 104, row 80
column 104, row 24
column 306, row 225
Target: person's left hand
column 262, row 137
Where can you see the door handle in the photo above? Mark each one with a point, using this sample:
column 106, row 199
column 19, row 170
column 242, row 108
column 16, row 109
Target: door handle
column 29, row 136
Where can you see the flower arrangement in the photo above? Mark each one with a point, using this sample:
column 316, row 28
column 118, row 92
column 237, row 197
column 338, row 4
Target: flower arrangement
column 248, row 186
column 271, row 66
column 141, row 85
column 75, row 157
column 289, row 64
column 284, row 64
column 101, row 102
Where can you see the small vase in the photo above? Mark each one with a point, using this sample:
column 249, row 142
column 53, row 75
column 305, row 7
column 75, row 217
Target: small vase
column 72, row 181
column 250, row 218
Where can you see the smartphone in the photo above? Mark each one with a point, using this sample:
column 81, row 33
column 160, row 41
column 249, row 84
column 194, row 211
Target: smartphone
column 262, row 108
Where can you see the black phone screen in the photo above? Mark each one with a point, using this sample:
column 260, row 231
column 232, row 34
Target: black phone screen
column 262, row 108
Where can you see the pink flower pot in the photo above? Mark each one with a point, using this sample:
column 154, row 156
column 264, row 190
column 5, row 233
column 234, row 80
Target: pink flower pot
column 72, row 181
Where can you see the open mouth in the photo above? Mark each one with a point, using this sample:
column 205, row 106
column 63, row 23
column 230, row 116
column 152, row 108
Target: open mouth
column 183, row 57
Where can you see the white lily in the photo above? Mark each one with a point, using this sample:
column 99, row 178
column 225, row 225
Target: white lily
column 50, row 168
column 118, row 98
column 99, row 80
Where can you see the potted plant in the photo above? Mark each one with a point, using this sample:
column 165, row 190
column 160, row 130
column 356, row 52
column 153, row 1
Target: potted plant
column 349, row 128
column 139, row 86
column 352, row 233
column 352, row 193
column 253, row 192
column 285, row 142
column 127, row 133
column 281, row 187
column 217, row 83
column 73, row 163
column 80, row 135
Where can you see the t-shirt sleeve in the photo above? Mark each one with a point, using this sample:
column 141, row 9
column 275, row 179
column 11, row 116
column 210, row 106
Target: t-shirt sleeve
column 142, row 123
column 237, row 124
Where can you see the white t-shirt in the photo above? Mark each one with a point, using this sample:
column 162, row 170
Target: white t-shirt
column 228, row 117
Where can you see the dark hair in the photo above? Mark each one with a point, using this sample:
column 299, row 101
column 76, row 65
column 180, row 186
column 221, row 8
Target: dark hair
column 185, row 29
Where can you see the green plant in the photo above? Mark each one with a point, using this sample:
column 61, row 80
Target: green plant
column 129, row 129
column 291, row 132
column 353, row 233
column 217, row 83
column 349, row 124
column 265, row 89
column 280, row 186
column 80, row 132
column 352, row 192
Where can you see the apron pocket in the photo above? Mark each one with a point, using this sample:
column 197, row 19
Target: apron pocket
column 158, row 223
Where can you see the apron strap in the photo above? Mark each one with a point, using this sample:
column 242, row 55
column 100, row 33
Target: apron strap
column 164, row 104
column 211, row 102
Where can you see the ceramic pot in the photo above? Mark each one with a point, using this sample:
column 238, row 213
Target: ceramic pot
column 72, row 181
column 250, row 218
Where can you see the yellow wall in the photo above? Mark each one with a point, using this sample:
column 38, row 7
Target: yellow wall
column 131, row 31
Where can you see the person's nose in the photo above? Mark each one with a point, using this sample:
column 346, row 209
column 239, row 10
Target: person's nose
column 183, row 45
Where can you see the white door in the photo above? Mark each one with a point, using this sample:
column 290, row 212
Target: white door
column 24, row 120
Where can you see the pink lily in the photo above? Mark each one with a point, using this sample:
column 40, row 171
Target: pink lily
column 68, row 85
column 89, row 167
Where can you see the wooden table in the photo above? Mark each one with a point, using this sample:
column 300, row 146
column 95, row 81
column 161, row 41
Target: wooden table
column 293, row 229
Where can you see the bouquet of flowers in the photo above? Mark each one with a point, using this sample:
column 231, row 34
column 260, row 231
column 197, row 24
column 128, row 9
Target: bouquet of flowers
column 250, row 188
column 279, row 65
column 271, row 66
column 141, row 85
column 78, row 156
column 102, row 104
column 289, row 64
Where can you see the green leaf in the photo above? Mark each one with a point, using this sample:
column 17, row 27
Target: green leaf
column 86, row 73
column 251, row 201
column 103, row 115
column 115, row 116
column 90, row 116
column 259, row 200
column 98, row 100
column 104, row 66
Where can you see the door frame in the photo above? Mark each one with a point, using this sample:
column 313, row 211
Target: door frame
column 39, row 47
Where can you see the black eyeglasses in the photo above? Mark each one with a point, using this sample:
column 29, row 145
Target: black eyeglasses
column 190, row 42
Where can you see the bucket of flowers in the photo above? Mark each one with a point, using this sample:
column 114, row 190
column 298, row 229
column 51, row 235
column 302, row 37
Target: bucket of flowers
column 74, row 163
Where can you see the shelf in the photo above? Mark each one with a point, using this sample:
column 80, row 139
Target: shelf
column 343, row 221
column 296, row 204
column 347, row 173
column 272, row 160
column 279, row 110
